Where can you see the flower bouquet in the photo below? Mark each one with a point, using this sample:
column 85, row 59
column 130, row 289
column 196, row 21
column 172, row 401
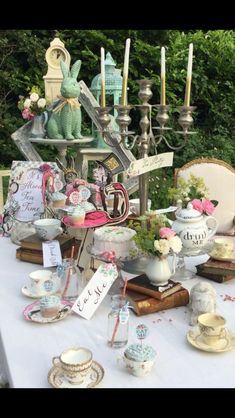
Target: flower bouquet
column 156, row 238
column 33, row 105
column 194, row 191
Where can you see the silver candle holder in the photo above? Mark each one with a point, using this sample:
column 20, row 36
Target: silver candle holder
column 146, row 138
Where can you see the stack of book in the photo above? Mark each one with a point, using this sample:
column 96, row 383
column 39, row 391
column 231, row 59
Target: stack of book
column 31, row 248
column 146, row 298
column 218, row 271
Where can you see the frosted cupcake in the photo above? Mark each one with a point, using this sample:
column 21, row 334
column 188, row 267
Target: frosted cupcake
column 49, row 306
column 78, row 216
column 139, row 359
column 58, row 199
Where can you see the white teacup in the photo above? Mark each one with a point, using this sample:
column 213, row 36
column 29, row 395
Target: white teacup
column 75, row 363
column 42, row 282
column 223, row 247
column 212, row 327
column 135, row 206
column 48, row 229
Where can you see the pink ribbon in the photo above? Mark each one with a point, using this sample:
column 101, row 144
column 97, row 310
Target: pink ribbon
column 47, row 172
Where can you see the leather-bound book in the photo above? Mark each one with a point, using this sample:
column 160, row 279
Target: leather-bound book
column 33, row 242
column 143, row 305
column 141, row 284
column 217, row 267
column 219, row 278
column 33, row 255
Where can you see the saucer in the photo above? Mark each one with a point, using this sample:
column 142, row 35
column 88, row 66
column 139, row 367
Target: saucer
column 29, row 294
column 32, row 312
column 57, row 379
column 194, row 337
column 92, row 220
column 216, row 257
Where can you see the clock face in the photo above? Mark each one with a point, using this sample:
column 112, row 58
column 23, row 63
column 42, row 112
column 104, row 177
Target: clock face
column 55, row 56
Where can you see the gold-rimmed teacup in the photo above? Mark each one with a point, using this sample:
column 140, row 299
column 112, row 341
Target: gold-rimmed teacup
column 212, row 328
column 75, row 362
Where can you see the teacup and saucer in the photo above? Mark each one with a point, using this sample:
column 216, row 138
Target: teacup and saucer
column 223, row 249
column 211, row 334
column 41, row 283
column 75, row 368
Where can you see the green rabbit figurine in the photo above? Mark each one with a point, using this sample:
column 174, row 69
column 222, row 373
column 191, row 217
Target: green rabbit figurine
column 65, row 120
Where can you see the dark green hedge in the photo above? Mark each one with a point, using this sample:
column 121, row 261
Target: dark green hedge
column 22, row 65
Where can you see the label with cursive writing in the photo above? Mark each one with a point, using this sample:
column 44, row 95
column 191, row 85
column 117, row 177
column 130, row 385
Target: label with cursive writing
column 95, row 291
column 144, row 165
column 51, row 253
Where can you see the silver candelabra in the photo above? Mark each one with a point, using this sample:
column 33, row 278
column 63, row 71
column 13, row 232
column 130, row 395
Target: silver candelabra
column 143, row 141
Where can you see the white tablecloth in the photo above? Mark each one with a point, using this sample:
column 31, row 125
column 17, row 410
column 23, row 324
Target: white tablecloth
column 27, row 348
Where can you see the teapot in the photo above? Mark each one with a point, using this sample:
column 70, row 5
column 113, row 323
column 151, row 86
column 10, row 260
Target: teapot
column 193, row 228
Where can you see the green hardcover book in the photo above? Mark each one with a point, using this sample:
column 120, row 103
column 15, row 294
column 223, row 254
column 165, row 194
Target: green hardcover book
column 219, row 278
column 223, row 268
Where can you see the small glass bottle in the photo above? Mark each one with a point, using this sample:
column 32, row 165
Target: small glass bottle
column 70, row 276
column 118, row 322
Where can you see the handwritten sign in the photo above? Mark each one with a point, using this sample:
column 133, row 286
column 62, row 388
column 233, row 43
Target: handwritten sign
column 25, row 189
column 144, row 165
column 51, row 253
column 93, row 294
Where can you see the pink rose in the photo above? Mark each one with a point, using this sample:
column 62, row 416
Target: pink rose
column 166, row 232
column 27, row 114
column 197, row 205
column 207, row 206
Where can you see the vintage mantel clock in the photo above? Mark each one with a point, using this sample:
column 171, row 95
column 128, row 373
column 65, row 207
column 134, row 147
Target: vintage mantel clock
column 54, row 54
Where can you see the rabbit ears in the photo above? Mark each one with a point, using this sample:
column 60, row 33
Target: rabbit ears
column 74, row 70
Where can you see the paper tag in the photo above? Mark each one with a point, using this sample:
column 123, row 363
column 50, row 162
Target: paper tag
column 124, row 314
column 147, row 164
column 51, row 253
column 84, row 193
column 93, row 294
column 75, row 198
column 167, row 210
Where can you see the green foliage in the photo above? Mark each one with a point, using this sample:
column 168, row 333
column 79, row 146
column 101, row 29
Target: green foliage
column 23, row 64
column 148, row 231
column 186, row 190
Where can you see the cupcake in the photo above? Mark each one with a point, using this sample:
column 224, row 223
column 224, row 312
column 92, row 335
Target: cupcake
column 139, row 359
column 49, row 306
column 78, row 216
column 58, row 199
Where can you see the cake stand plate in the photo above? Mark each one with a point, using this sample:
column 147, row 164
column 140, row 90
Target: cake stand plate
column 103, row 256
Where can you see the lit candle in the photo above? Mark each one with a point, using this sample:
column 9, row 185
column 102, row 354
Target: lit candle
column 102, row 79
column 163, row 77
column 125, row 73
column 189, row 76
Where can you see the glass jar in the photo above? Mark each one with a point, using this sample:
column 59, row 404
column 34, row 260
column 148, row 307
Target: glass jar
column 118, row 322
column 71, row 279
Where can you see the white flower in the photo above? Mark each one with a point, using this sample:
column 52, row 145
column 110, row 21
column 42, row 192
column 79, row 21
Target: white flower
column 41, row 103
column 175, row 244
column 162, row 246
column 27, row 103
column 34, row 97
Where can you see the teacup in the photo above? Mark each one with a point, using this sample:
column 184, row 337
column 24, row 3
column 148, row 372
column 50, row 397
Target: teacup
column 135, row 206
column 48, row 229
column 212, row 327
column 75, row 363
column 42, row 282
column 223, row 247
